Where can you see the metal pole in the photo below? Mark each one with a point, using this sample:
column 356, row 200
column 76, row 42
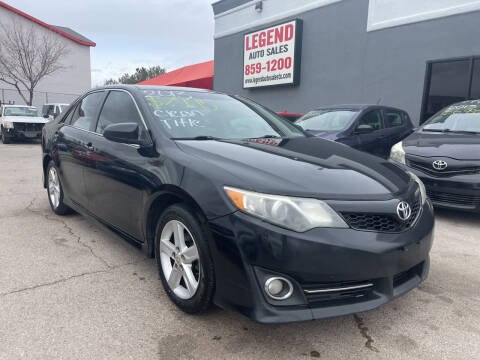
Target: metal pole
column 46, row 97
column 3, row 95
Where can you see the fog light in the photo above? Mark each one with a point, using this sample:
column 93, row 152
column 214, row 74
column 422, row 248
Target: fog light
column 278, row 288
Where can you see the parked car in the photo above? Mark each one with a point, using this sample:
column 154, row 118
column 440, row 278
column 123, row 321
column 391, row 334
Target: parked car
column 370, row 128
column 20, row 122
column 445, row 153
column 240, row 207
column 51, row 111
column 289, row 116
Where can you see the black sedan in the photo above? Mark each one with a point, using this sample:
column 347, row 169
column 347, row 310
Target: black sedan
column 445, row 154
column 239, row 206
column 370, row 128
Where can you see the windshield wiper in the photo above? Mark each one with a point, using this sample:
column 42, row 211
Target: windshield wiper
column 452, row 131
column 199, row 137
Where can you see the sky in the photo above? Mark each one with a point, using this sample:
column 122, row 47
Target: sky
column 133, row 33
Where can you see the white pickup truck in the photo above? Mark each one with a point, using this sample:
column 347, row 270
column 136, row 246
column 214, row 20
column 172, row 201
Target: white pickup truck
column 20, row 121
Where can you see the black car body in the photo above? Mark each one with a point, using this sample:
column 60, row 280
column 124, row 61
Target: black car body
column 370, row 128
column 273, row 250
column 445, row 153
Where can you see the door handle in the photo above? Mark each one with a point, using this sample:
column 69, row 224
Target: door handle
column 90, row 147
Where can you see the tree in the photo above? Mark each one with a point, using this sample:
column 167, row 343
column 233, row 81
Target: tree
column 27, row 56
column 140, row 74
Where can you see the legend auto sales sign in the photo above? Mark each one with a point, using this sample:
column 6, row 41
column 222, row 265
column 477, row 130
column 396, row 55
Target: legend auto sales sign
column 272, row 56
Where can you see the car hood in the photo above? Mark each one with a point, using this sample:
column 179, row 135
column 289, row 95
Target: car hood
column 310, row 167
column 26, row 119
column 455, row 146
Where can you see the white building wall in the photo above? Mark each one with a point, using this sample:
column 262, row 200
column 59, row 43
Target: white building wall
column 62, row 86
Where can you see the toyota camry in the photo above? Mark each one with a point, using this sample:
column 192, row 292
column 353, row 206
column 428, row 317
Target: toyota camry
column 239, row 207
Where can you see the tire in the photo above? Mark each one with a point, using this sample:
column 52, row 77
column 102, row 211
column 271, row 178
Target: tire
column 55, row 191
column 5, row 138
column 175, row 256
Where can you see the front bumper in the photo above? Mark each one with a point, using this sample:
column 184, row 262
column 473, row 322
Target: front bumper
column 24, row 131
column 457, row 192
column 246, row 251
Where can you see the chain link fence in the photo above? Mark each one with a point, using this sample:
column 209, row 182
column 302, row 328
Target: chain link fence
column 11, row 96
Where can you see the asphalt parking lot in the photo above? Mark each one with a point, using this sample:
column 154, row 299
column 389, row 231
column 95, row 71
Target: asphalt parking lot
column 70, row 289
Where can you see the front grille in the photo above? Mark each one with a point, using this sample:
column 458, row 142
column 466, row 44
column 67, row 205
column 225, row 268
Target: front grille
column 381, row 222
column 449, row 171
column 455, row 199
column 27, row 127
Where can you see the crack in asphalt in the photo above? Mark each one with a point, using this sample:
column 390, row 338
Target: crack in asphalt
column 69, row 230
column 62, row 280
column 364, row 331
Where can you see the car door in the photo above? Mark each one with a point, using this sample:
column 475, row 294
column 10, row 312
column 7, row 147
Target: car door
column 72, row 144
column 372, row 142
column 396, row 127
column 116, row 185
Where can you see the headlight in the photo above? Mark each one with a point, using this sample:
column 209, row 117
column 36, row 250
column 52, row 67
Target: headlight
column 298, row 214
column 421, row 185
column 397, row 153
column 7, row 124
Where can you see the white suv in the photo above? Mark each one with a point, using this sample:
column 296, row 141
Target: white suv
column 20, row 121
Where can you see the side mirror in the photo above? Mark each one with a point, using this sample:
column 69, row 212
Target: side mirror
column 364, row 129
column 46, row 116
column 127, row 133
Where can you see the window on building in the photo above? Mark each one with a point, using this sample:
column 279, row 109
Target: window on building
column 450, row 81
column 475, row 91
column 118, row 108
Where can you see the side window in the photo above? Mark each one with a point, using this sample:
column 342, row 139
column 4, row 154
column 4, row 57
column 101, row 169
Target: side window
column 83, row 116
column 50, row 110
column 372, row 118
column 393, row 118
column 118, row 108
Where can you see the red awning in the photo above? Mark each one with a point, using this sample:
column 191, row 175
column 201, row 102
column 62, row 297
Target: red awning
column 196, row 76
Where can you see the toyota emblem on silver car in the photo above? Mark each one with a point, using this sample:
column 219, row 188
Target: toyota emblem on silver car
column 404, row 211
column 439, row 165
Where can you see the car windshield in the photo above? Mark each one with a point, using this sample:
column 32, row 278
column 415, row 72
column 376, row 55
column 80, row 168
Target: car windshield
column 456, row 118
column 20, row 111
column 203, row 115
column 326, row 120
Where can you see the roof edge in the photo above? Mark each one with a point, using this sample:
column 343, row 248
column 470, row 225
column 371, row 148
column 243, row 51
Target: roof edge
column 41, row 23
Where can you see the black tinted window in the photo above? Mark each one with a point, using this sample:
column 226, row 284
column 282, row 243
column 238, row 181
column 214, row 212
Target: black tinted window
column 372, row 118
column 84, row 114
column 118, row 108
column 393, row 118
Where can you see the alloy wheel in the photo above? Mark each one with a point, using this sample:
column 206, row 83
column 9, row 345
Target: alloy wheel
column 179, row 259
column 54, row 187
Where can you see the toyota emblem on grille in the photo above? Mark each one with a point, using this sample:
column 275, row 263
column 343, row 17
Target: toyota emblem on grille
column 439, row 165
column 404, row 211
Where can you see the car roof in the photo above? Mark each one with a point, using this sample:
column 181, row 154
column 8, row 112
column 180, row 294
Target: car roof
column 355, row 107
column 135, row 87
column 55, row 104
column 466, row 103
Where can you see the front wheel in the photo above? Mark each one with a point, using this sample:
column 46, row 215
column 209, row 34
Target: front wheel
column 55, row 191
column 183, row 259
column 5, row 139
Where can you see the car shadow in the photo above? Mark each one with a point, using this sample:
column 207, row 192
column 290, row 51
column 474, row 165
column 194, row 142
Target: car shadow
column 466, row 218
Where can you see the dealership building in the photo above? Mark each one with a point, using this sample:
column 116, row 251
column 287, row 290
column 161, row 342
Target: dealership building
column 295, row 55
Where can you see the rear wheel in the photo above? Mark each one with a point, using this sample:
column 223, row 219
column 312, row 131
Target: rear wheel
column 183, row 259
column 55, row 191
